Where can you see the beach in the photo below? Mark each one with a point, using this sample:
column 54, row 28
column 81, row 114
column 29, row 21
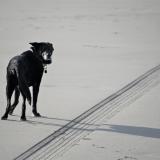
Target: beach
column 100, row 47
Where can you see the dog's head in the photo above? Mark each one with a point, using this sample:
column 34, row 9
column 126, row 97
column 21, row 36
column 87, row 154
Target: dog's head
column 44, row 50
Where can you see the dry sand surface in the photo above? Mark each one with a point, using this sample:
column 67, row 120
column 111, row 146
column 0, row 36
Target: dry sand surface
column 100, row 46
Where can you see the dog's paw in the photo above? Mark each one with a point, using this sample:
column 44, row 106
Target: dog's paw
column 23, row 119
column 37, row 114
column 4, row 118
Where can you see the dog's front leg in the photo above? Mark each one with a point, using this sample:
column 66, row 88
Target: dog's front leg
column 35, row 97
column 23, row 116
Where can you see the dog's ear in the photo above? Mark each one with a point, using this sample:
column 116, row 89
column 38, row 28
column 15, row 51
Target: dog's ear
column 34, row 44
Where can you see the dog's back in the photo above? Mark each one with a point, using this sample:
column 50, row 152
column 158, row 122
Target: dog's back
column 27, row 65
column 20, row 72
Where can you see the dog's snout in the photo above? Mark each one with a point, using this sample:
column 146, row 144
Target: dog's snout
column 47, row 58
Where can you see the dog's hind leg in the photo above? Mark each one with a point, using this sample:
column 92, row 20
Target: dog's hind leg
column 23, row 85
column 16, row 100
column 9, row 91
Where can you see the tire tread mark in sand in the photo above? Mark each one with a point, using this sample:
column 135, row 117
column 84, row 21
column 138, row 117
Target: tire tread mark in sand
column 58, row 142
column 71, row 140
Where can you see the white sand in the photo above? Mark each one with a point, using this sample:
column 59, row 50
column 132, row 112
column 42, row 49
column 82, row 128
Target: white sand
column 100, row 46
column 134, row 134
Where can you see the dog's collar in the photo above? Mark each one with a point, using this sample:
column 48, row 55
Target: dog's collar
column 45, row 68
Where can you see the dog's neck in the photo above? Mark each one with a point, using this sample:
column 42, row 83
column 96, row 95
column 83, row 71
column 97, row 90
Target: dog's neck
column 40, row 59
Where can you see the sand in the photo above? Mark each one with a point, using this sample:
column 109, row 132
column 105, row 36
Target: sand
column 100, row 46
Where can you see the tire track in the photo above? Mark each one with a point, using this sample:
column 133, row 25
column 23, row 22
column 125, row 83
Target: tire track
column 72, row 137
column 64, row 138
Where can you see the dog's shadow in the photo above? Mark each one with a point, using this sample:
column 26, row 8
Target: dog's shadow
column 54, row 122
column 123, row 129
column 43, row 120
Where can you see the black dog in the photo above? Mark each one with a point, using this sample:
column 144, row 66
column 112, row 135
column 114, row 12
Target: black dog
column 26, row 70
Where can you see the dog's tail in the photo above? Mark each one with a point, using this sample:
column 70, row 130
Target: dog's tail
column 23, row 85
